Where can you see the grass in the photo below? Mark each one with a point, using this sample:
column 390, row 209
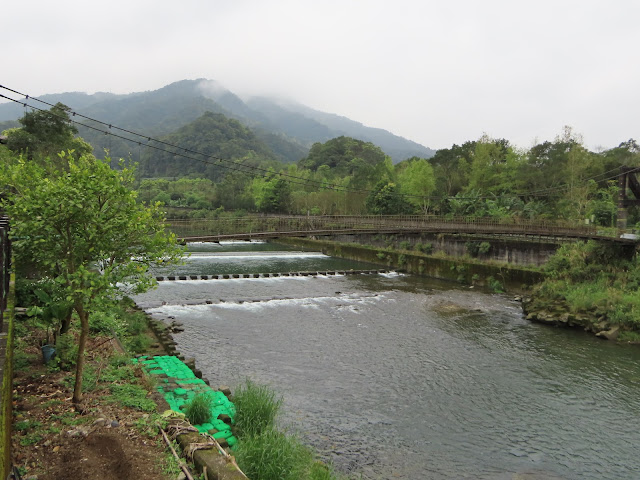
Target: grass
column 593, row 279
column 26, row 425
column 147, row 425
column 134, row 396
column 272, row 455
column 70, row 418
column 257, row 407
column 627, row 336
column 30, row 439
column 198, row 410
column 263, row 452
column 169, row 465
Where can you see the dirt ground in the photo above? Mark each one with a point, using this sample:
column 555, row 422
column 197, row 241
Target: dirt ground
column 52, row 439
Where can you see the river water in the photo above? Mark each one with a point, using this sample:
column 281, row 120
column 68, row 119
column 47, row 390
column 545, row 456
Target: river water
column 398, row 377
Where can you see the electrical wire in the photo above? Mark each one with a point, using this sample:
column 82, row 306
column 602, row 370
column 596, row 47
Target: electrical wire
column 256, row 171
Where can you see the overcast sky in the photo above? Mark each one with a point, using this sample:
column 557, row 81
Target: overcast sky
column 436, row 72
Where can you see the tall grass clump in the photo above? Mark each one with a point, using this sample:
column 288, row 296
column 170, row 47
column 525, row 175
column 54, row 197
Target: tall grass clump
column 256, row 409
column 198, row 410
column 272, row 455
column 264, row 452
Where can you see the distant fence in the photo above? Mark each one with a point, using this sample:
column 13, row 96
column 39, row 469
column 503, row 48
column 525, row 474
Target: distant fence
column 257, row 226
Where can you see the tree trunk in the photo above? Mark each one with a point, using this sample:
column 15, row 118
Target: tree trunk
column 84, row 334
column 65, row 324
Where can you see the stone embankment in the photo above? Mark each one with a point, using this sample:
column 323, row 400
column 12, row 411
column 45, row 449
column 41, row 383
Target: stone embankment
column 558, row 315
column 179, row 381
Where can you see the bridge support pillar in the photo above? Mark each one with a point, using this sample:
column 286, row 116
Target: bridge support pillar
column 621, row 223
column 627, row 182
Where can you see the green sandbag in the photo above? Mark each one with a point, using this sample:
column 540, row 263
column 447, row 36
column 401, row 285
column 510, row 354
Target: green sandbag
column 222, row 434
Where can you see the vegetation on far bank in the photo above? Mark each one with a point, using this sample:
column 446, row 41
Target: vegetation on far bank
column 597, row 282
column 558, row 180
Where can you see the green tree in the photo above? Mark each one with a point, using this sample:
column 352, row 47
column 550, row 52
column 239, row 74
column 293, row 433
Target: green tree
column 83, row 228
column 271, row 195
column 493, row 168
column 45, row 133
column 385, row 199
column 451, row 167
column 345, row 156
column 418, row 182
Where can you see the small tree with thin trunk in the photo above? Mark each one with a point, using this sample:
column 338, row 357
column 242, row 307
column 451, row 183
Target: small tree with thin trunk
column 82, row 227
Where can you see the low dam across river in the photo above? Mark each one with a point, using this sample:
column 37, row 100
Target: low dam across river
column 391, row 375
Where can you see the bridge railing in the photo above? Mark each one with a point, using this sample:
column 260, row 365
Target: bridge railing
column 329, row 223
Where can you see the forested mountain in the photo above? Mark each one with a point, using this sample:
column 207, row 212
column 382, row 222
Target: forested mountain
column 299, row 121
column 289, row 129
column 225, row 145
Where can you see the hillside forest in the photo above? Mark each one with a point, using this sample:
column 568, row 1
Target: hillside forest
column 216, row 164
column 235, row 171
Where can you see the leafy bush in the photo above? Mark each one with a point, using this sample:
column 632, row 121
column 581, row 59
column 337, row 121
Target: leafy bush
column 472, row 248
column 424, row 248
column 405, row 245
column 136, row 323
column 495, row 285
column 256, row 409
column 117, row 371
column 105, row 323
column 594, row 278
column 138, row 343
column 484, row 248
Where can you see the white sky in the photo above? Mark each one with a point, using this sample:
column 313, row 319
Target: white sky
column 436, row 72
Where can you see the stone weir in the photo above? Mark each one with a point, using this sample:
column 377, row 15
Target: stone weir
column 269, row 275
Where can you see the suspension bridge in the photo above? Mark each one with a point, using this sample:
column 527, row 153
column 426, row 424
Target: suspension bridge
column 262, row 227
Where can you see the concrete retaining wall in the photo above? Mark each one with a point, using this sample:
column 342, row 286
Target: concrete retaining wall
column 514, row 250
column 461, row 270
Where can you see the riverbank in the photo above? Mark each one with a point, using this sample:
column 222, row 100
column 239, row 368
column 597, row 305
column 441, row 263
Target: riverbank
column 591, row 286
column 111, row 436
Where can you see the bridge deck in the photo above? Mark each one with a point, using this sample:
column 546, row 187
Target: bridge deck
column 263, row 227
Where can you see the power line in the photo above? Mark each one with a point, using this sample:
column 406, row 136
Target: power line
column 255, row 170
column 186, row 150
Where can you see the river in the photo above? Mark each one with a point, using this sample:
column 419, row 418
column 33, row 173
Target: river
column 394, row 376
